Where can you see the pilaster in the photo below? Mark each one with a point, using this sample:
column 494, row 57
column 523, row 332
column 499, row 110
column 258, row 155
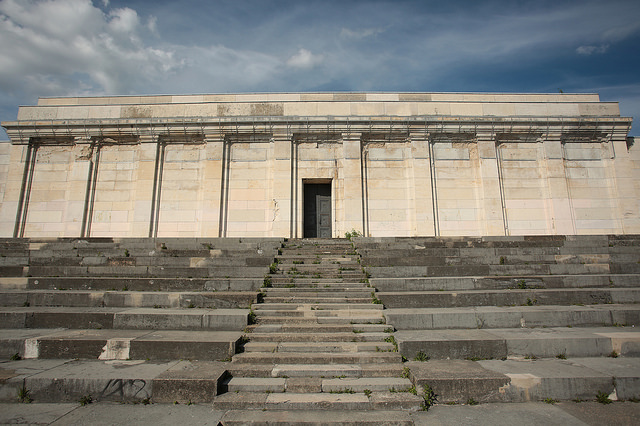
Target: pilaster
column 494, row 222
column 561, row 213
column 351, row 216
column 422, row 186
column 281, row 188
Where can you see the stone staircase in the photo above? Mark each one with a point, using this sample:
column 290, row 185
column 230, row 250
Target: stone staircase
column 293, row 327
column 319, row 341
column 124, row 320
column 513, row 318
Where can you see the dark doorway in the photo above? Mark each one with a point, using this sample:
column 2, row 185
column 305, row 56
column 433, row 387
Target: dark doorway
column 317, row 210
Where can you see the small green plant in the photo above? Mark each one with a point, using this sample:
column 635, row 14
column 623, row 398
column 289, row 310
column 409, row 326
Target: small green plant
column 429, row 397
column 266, row 283
column 374, row 299
column 24, row 395
column 347, row 390
column 521, row 284
column 146, row 401
column 157, row 306
column 391, row 339
column 563, row 355
column 85, row 400
column 406, row 373
column 502, row 260
column 531, row 302
column 367, row 392
column 191, row 305
column 26, row 304
column 530, row 357
column 15, row 357
column 603, row 398
column 550, row 400
column 251, row 319
column 613, row 354
column 357, row 331
column 472, row 401
column 273, row 268
column 352, row 234
column 298, row 262
column 421, row 356
column 126, row 253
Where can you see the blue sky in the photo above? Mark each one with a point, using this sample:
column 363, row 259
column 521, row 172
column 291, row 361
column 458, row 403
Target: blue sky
column 120, row 47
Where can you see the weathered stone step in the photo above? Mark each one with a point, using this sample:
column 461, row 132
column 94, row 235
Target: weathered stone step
column 317, row 358
column 513, row 317
column 118, row 344
column 318, row 347
column 124, row 318
column 528, row 380
column 128, row 299
column 317, row 417
column 132, row 381
column 523, row 343
column 352, row 336
column 345, row 290
column 350, row 319
column 317, row 401
column 320, row 328
column 215, row 283
column 336, row 280
column 314, row 307
column 446, row 299
column 493, row 270
column 422, row 283
column 313, row 299
column 375, row 384
column 316, row 371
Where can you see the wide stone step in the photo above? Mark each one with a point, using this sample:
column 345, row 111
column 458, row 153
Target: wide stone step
column 124, row 318
column 317, row 417
column 312, row 299
column 318, row 401
column 342, row 307
column 282, row 280
column 134, row 381
column 118, row 344
column 376, row 384
column 214, row 283
column 318, row 347
column 128, row 299
column 338, row 320
column 446, row 299
column 350, row 336
column 313, row 313
column 323, row 291
column 315, row 371
column 487, row 317
column 422, row 283
column 317, row 358
column 523, row 343
column 529, row 380
column 319, row 328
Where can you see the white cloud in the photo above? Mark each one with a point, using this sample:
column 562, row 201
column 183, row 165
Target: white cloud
column 590, row 50
column 49, row 47
column 304, row 59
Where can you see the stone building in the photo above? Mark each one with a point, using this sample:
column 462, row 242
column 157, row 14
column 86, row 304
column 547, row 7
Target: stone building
column 319, row 164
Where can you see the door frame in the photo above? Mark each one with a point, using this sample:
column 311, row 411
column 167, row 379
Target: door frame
column 317, row 181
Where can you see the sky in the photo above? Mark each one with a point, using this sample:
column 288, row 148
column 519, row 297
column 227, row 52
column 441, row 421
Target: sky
column 125, row 47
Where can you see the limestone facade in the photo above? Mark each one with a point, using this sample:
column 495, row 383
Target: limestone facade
column 392, row 164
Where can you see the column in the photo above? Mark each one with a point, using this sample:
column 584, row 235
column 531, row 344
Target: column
column 213, row 175
column 281, row 185
column 349, row 215
column 561, row 214
column 492, row 202
column 423, row 205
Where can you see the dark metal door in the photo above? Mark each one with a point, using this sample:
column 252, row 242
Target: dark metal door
column 323, row 221
column 317, row 210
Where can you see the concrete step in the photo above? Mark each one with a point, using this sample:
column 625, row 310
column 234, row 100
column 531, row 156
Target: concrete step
column 446, row 299
column 214, row 283
column 281, row 280
column 118, row 344
column 317, row 417
column 318, row 347
column 524, row 342
column 309, row 320
column 375, row 384
column 269, row 307
column 135, row 381
column 124, row 318
column 316, row 370
column 319, row 312
column 349, row 336
column 127, row 299
column 424, row 283
column 313, row 299
column 317, row 358
column 487, row 317
column 529, row 380
column 346, row 402
column 326, row 329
